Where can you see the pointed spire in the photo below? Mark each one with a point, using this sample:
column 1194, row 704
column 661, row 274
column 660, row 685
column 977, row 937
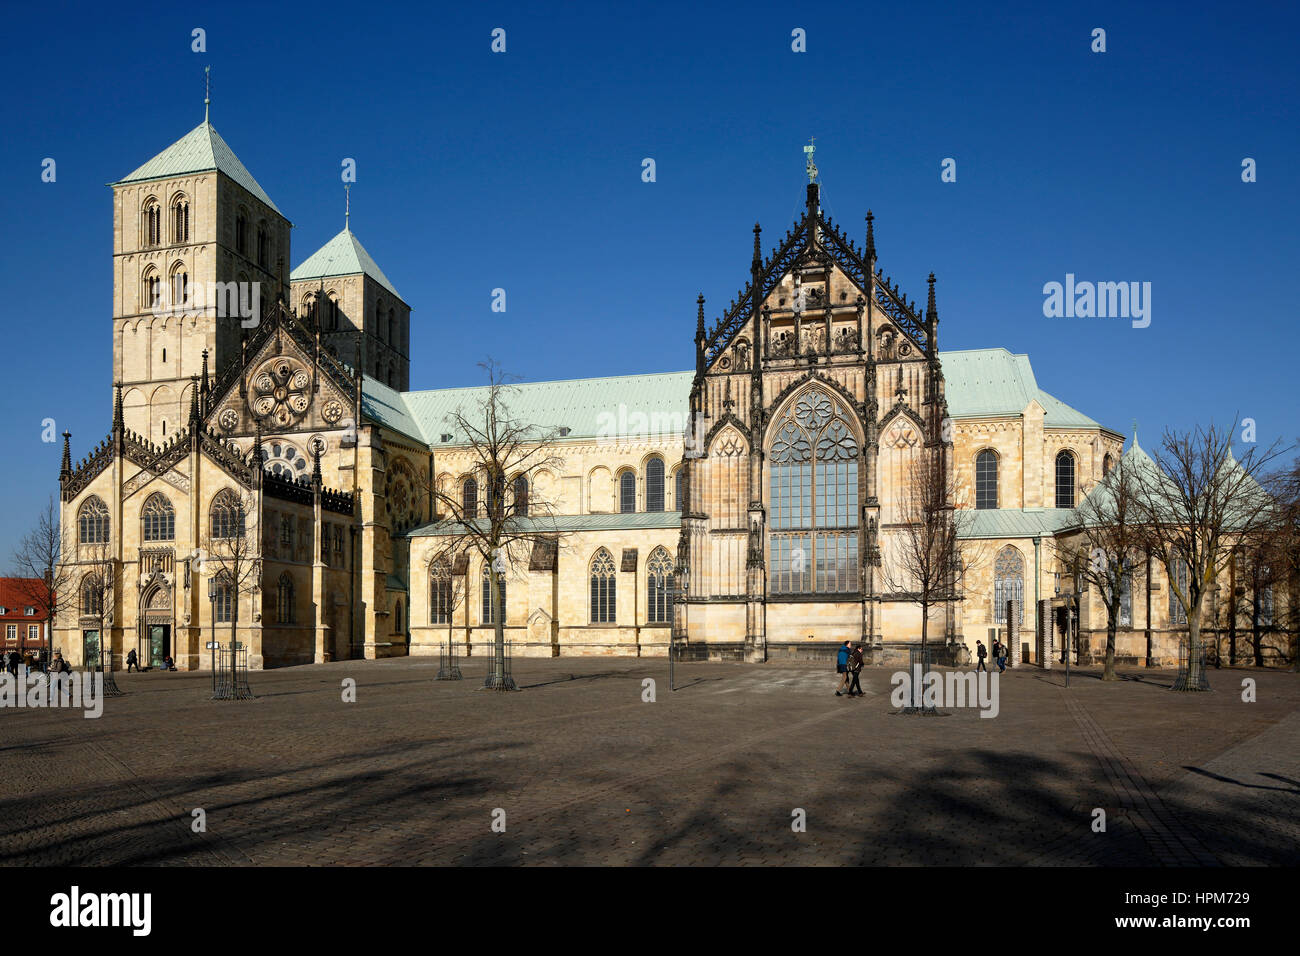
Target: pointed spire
column 205, row 386
column 758, row 250
column 931, row 313
column 257, row 445
column 65, row 470
column 194, row 399
column 699, row 318
column 347, row 207
column 207, row 91
column 117, row 406
column 871, row 238
column 315, row 465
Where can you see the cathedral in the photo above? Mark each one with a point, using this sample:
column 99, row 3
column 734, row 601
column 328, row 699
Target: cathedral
column 748, row 508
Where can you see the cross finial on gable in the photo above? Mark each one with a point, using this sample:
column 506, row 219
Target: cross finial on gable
column 207, row 91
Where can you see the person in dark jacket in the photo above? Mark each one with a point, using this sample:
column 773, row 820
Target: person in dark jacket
column 981, row 652
column 842, row 668
column 855, row 668
column 132, row 661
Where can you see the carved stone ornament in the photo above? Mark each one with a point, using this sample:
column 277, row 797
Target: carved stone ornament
column 281, row 391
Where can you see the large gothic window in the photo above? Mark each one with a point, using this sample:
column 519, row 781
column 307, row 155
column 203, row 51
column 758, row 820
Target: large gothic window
column 284, row 599
column 654, row 485
column 222, row 599
column 1126, row 597
column 180, row 220
column 152, row 224
column 92, row 522
column 1064, row 480
column 660, row 575
column 814, row 497
column 469, row 498
column 227, row 515
column 490, row 608
column 679, row 486
column 603, row 588
column 158, row 518
column 1008, row 584
column 92, row 595
column 440, row 593
column 1177, row 613
column 986, row 479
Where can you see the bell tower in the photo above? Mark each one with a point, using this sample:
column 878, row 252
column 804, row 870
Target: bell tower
column 198, row 249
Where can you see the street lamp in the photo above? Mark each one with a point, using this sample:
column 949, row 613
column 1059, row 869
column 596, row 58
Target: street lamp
column 678, row 591
column 212, row 629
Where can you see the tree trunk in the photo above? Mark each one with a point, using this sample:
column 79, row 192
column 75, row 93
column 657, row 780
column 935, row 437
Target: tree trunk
column 1112, row 614
column 1194, row 663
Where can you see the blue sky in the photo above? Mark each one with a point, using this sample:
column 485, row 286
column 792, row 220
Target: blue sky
column 522, row 171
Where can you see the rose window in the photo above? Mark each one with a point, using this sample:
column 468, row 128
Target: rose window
column 281, row 392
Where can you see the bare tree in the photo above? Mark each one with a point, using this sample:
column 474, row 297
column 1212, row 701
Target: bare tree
column 512, row 517
column 928, row 562
column 1104, row 545
column 1194, row 507
column 231, row 555
column 44, row 578
column 1284, row 545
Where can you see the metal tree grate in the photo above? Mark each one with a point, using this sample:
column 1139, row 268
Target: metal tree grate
column 503, row 680
column 1184, row 680
column 110, row 685
column 232, row 674
column 449, row 663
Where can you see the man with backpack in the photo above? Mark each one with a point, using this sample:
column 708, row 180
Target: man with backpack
column 842, row 668
column 1000, row 655
column 981, row 652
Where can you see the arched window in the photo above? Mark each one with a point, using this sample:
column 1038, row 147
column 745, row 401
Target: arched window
column 1008, row 584
column 1106, row 464
column 222, row 599
column 284, row 599
column 659, row 571
column 814, row 498
column 440, row 593
column 490, row 609
column 180, row 219
column 392, row 327
column 1178, row 613
column 151, row 290
column 180, row 286
column 397, row 618
column 158, row 518
column 332, row 313
column 241, row 232
column 92, row 522
column 151, row 225
column 603, row 588
column 469, row 498
column 654, row 485
column 227, row 515
column 627, row 493
column 263, row 245
column 1064, row 480
column 1126, row 596
column 986, row 479
column 679, row 487
column 92, row 596
column 520, row 490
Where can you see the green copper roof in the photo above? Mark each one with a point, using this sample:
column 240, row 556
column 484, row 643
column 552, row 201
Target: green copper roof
column 652, row 405
column 1012, row 522
column 982, row 382
column 344, row 255
column 200, row 150
column 641, row 520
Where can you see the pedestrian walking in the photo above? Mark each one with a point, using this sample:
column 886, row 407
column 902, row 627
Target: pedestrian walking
column 1000, row 653
column 855, row 668
column 842, row 668
column 132, row 661
column 981, row 652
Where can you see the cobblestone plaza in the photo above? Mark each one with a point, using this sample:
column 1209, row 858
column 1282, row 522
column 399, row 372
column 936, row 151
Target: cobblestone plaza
column 587, row 772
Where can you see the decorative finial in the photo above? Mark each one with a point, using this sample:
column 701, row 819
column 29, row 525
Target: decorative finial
column 811, row 167
column 871, row 237
column 347, row 205
column 66, row 470
column 931, row 313
column 194, row 398
column 758, row 250
column 207, row 91
column 117, row 405
column 699, row 318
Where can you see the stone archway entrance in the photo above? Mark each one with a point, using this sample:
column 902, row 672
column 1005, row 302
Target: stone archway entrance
column 154, row 641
